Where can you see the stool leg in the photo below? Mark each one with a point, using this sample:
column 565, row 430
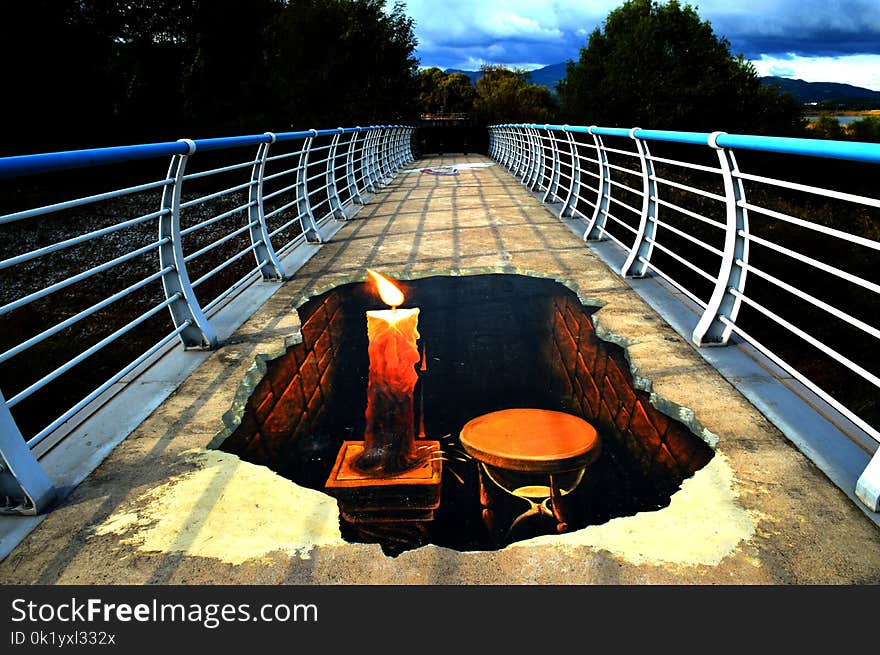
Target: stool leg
column 486, row 503
column 558, row 505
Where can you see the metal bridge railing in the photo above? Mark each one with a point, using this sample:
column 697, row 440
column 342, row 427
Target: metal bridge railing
column 272, row 200
column 690, row 212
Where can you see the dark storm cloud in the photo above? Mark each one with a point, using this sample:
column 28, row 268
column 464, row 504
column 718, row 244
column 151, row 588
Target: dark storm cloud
column 803, row 27
column 517, row 31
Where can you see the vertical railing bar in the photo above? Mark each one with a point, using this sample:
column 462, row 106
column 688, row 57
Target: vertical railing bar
column 350, row 163
column 334, row 201
column 381, row 153
column 534, row 177
column 24, row 486
column 553, row 186
column 369, row 174
column 710, row 330
column 522, row 154
column 596, row 225
column 264, row 252
column 511, row 148
column 185, row 310
column 569, row 205
column 636, row 264
column 303, row 202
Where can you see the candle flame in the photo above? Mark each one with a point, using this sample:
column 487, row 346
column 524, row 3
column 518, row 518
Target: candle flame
column 390, row 294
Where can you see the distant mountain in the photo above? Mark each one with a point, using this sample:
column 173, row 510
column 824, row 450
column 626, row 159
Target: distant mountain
column 803, row 91
column 547, row 75
column 473, row 75
column 821, row 91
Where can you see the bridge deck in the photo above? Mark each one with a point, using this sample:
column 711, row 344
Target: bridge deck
column 163, row 509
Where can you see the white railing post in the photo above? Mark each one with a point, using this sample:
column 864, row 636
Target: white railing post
column 732, row 273
column 264, row 252
column 528, row 154
column 395, row 149
column 384, row 140
column 636, row 264
column 404, row 134
column 371, row 174
column 501, row 151
column 523, row 154
column 553, row 186
column 381, row 142
column 409, row 139
column 568, row 205
column 503, row 146
column 350, row 164
column 186, row 312
column 519, row 153
column 364, row 160
column 24, row 486
column 596, row 225
column 499, row 144
column 303, row 203
column 400, row 157
column 868, row 484
column 333, row 199
column 533, row 182
column 513, row 152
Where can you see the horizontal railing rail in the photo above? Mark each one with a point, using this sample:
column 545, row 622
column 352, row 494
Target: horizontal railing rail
column 257, row 198
column 705, row 228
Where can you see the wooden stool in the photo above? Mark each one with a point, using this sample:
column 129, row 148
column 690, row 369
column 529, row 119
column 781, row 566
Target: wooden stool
column 513, row 447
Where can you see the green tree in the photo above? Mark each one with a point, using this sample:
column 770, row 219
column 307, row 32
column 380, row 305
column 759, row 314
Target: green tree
column 56, row 78
column 333, row 61
column 441, row 92
column 225, row 81
column 826, row 127
column 81, row 73
column 658, row 65
column 865, row 129
column 430, row 99
column 457, row 93
column 505, row 95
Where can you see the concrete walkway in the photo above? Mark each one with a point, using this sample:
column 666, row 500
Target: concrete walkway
column 163, row 509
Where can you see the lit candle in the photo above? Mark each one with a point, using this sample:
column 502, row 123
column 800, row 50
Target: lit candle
column 389, row 440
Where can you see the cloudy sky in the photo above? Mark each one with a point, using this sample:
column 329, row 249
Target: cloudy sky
column 815, row 40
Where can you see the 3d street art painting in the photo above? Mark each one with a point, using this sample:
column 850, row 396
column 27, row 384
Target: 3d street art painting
column 466, row 411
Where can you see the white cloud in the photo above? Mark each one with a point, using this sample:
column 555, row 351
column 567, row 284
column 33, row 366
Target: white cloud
column 474, row 63
column 860, row 70
column 464, row 33
column 507, row 25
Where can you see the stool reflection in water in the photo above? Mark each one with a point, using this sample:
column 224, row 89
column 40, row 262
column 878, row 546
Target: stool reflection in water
column 537, row 455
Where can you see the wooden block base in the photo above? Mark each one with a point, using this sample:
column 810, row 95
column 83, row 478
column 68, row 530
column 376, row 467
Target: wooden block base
column 409, row 496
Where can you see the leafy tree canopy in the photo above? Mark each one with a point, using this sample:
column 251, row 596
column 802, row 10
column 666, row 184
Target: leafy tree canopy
column 826, row 126
column 658, row 65
column 505, row 95
column 79, row 73
column 441, row 92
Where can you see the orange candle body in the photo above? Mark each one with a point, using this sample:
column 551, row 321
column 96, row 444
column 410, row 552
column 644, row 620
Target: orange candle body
column 389, row 440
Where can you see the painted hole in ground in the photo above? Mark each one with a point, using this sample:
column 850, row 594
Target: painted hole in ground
column 492, row 345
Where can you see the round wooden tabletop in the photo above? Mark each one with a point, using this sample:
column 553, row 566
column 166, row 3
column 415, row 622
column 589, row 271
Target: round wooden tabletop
column 531, row 440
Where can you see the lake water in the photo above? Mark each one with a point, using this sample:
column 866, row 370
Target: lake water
column 843, row 120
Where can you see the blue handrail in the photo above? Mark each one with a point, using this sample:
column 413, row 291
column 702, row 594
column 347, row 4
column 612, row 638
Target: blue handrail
column 22, row 165
column 57, row 161
column 848, row 150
